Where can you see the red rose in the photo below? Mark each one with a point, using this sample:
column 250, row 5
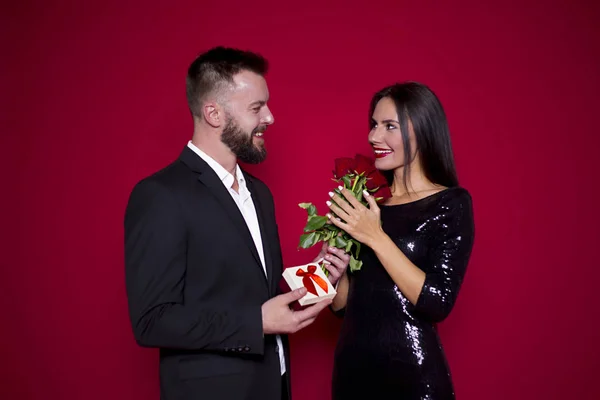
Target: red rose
column 357, row 175
column 376, row 179
column 343, row 166
column 363, row 164
column 358, row 165
column 382, row 194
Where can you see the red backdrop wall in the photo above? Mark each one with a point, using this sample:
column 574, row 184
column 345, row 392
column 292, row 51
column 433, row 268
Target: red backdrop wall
column 93, row 99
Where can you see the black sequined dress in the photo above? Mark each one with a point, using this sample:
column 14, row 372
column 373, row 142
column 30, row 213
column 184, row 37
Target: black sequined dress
column 389, row 348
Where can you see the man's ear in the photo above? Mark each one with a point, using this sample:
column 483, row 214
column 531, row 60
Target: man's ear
column 213, row 114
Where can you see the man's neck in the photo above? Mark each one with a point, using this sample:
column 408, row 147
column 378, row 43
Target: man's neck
column 217, row 151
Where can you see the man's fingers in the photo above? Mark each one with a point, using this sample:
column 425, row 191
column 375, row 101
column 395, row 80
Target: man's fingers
column 293, row 295
column 312, row 311
column 305, row 323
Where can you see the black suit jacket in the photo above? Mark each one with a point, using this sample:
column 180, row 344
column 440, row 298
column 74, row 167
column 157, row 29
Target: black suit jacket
column 195, row 283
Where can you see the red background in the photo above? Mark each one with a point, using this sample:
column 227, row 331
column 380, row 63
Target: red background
column 93, row 100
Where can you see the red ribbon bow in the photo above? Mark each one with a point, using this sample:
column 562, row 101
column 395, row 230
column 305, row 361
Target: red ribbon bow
column 309, row 277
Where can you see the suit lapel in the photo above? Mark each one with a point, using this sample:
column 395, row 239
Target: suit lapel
column 263, row 222
column 208, row 177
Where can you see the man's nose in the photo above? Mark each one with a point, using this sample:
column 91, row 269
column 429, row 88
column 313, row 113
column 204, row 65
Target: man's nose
column 268, row 118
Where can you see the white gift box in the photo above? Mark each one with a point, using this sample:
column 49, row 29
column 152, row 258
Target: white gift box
column 312, row 277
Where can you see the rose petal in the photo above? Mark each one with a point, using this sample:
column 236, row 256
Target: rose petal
column 364, row 164
column 383, row 192
column 343, row 166
column 376, row 179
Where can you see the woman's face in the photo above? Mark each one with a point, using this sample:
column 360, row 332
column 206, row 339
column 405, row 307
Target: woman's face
column 386, row 138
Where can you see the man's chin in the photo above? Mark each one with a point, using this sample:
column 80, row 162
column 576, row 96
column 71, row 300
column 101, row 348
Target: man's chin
column 255, row 158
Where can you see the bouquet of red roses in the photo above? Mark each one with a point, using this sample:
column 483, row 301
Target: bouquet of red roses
column 355, row 174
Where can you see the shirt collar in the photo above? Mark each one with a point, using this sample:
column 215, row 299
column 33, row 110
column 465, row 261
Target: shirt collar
column 224, row 175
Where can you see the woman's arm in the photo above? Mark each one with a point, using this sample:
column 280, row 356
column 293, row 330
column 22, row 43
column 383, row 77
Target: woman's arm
column 407, row 276
column 433, row 294
column 341, row 298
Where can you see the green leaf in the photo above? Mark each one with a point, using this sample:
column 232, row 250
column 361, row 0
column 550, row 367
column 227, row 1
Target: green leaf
column 357, row 247
column 308, row 240
column 315, row 222
column 349, row 245
column 355, row 264
column 340, row 242
column 347, row 181
column 359, row 196
column 310, row 208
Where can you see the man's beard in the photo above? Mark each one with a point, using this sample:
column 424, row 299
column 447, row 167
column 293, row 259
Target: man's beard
column 242, row 144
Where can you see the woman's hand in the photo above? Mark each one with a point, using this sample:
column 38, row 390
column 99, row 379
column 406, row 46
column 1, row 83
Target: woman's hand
column 360, row 222
column 337, row 261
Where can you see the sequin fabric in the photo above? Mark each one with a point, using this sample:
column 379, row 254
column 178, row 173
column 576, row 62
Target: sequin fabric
column 389, row 348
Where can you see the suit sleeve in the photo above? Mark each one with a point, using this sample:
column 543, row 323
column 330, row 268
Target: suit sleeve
column 155, row 270
column 450, row 258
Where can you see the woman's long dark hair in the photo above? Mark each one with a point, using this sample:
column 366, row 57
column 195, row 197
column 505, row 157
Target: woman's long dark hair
column 417, row 103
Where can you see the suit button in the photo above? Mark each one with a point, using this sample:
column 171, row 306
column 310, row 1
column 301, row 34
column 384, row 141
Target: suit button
column 240, row 349
column 246, row 348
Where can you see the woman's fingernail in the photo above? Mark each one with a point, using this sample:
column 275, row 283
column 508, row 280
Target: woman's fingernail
column 366, row 193
column 328, row 203
column 330, row 194
column 340, row 187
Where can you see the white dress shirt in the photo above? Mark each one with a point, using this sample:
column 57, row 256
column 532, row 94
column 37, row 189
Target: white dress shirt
column 243, row 199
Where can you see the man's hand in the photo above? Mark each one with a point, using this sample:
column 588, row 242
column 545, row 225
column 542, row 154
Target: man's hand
column 337, row 262
column 278, row 318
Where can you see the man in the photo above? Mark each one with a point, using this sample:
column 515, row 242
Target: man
column 202, row 252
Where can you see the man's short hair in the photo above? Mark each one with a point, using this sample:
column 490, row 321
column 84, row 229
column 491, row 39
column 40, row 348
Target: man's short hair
column 214, row 70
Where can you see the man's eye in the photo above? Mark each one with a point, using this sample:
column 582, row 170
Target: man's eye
column 256, row 110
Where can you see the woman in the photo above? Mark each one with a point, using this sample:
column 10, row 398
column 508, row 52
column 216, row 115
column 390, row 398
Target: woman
column 417, row 246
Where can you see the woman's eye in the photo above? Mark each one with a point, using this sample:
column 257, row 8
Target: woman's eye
column 389, row 127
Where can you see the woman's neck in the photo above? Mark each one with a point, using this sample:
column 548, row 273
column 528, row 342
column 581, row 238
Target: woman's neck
column 417, row 183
